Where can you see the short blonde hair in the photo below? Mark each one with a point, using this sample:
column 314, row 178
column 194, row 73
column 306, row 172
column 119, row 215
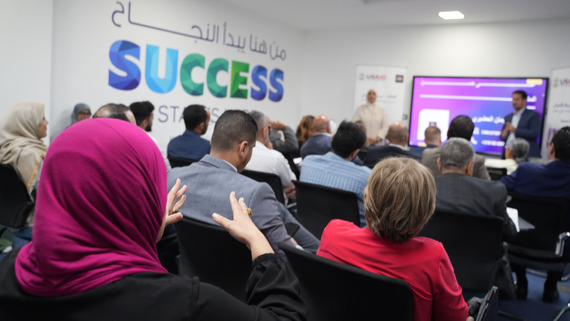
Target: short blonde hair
column 399, row 199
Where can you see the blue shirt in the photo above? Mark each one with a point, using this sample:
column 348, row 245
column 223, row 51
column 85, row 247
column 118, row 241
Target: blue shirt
column 333, row 171
column 550, row 180
column 189, row 146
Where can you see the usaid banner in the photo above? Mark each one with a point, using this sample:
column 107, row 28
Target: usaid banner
column 558, row 112
column 173, row 54
column 388, row 82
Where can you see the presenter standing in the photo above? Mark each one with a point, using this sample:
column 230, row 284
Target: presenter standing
column 523, row 123
column 374, row 119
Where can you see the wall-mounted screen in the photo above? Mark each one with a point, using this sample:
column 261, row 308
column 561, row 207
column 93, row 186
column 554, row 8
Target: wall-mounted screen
column 437, row 100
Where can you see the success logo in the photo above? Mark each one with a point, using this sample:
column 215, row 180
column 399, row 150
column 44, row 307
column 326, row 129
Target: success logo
column 123, row 55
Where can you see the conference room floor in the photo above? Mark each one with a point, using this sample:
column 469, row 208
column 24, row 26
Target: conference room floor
column 533, row 309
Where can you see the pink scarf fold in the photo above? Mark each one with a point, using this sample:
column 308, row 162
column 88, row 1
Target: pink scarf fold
column 100, row 204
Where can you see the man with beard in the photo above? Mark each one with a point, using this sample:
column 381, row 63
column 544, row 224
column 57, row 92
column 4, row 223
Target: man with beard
column 144, row 114
column 190, row 145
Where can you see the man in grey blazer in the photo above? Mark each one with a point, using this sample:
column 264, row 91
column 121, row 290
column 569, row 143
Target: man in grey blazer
column 461, row 126
column 211, row 180
column 459, row 192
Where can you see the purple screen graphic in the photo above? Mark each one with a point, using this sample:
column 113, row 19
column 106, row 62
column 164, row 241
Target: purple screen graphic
column 437, row 100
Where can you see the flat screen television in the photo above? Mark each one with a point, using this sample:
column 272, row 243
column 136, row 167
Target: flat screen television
column 437, row 100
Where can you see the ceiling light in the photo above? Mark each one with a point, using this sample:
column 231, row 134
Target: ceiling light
column 451, row 15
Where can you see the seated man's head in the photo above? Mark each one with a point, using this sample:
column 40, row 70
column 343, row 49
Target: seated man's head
column 144, row 114
column 196, row 119
column 347, row 140
column 517, row 149
column 262, row 126
column 432, row 136
column 234, row 137
column 559, row 147
column 321, row 124
column 461, row 126
column 399, row 199
column 118, row 111
column 456, row 156
column 398, row 134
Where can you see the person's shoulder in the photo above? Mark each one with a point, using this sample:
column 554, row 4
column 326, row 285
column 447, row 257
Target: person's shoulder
column 428, row 245
column 338, row 227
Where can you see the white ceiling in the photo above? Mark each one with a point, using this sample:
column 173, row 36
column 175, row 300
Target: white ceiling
column 338, row 14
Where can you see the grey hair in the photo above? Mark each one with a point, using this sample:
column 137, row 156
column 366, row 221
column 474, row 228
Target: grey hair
column 520, row 148
column 456, row 153
column 259, row 118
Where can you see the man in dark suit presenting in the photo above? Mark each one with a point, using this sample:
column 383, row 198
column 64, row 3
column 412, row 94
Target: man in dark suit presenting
column 522, row 123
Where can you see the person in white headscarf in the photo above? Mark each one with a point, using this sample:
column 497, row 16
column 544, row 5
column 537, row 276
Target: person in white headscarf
column 21, row 131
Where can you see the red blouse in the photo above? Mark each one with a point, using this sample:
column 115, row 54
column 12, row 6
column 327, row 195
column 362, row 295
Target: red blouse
column 421, row 262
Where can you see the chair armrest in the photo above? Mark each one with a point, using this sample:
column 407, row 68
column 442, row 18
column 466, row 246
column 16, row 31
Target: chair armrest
column 560, row 244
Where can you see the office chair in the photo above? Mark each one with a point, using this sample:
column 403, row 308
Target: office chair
column 210, row 252
column 546, row 246
column 180, row 162
column 15, row 202
column 336, row 291
column 475, row 247
column 496, row 172
column 317, row 205
column 272, row 179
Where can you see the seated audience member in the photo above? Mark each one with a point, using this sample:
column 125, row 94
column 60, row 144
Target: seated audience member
column 190, row 145
column 216, row 175
column 93, row 256
column 459, row 192
column 320, row 141
column 432, row 139
column 268, row 160
column 515, row 153
column 399, row 200
column 550, row 180
column 336, row 169
column 81, row 111
column 21, row 147
column 282, row 138
column 144, row 114
column 117, row 111
column 305, row 129
column 398, row 138
column 461, row 126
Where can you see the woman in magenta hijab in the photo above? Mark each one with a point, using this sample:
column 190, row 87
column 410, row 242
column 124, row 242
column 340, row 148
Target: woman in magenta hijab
column 100, row 210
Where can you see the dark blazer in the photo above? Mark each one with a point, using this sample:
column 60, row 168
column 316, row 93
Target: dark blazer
column 550, row 180
column 378, row 153
column 318, row 144
column 462, row 194
column 528, row 128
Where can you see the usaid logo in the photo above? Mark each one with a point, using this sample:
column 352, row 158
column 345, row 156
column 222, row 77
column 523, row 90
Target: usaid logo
column 372, row 77
column 562, row 82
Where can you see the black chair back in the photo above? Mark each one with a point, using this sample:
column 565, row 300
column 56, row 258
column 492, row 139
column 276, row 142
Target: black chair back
column 317, row 205
column 272, row 179
column 15, row 202
column 549, row 217
column 336, row 291
column 474, row 244
column 212, row 254
column 180, row 162
column 496, row 172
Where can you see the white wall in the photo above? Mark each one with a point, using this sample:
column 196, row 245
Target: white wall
column 513, row 49
column 25, row 58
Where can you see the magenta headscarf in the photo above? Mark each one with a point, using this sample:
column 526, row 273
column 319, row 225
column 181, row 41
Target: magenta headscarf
column 100, row 205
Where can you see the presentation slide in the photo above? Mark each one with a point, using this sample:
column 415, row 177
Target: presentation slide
column 437, row 100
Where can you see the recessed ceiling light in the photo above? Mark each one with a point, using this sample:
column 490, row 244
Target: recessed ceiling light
column 451, row 15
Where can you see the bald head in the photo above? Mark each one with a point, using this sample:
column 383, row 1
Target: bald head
column 118, row 111
column 398, row 134
column 321, row 124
